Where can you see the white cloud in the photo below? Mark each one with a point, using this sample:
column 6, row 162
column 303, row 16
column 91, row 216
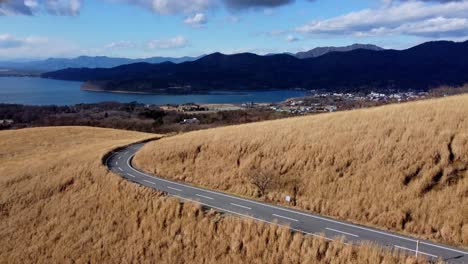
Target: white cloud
column 31, row 7
column 120, row 45
column 416, row 18
column 63, row 7
column 164, row 7
column 168, row 7
column 34, row 46
column 245, row 4
column 196, row 20
column 292, row 38
column 171, row 43
column 8, row 41
column 196, row 6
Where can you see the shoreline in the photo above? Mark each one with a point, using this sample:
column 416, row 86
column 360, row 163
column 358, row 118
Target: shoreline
column 97, row 90
column 149, row 93
column 86, row 89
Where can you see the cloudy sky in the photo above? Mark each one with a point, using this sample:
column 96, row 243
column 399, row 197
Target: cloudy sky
column 144, row 28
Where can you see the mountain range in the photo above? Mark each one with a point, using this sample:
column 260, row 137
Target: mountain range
column 317, row 52
column 54, row 64
column 421, row 67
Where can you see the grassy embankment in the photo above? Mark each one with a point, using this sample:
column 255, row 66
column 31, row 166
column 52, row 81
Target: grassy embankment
column 58, row 204
column 399, row 167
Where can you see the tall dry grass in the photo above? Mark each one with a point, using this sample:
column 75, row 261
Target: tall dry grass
column 58, row 204
column 400, row 167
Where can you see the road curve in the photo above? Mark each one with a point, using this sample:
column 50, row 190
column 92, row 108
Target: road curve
column 120, row 162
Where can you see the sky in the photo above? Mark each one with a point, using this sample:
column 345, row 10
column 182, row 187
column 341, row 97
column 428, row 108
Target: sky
column 34, row 29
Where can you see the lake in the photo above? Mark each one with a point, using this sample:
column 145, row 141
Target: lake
column 38, row 91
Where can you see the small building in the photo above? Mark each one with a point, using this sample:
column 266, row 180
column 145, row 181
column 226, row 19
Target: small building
column 331, row 108
column 249, row 105
column 6, row 122
column 191, row 121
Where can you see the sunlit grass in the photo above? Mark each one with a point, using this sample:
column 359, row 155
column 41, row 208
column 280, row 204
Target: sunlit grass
column 400, row 167
column 58, row 204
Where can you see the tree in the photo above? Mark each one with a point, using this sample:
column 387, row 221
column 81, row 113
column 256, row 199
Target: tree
column 296, row 186
column 263, row 180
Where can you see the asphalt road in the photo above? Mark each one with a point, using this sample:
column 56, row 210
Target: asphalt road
column 311, row 224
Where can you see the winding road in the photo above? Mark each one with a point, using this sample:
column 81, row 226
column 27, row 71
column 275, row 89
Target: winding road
column 120, row 162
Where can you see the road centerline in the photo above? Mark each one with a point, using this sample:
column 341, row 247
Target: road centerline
column 241, row 206
column 341, row 232
column 285, row 217
column 175, row 189
column 203, row 196
column 149, row 182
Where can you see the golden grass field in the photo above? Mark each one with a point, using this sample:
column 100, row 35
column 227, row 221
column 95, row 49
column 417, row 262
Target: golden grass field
column 400, row 167
column 59, row 204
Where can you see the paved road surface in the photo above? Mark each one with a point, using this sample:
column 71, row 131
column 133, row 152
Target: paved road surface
column 311, row 224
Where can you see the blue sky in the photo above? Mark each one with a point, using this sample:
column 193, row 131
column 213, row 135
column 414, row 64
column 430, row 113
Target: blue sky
column 145, row 28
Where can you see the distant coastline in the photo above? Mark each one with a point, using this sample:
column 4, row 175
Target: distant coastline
column 88, row 87
column 14, row 73
column 93, row 87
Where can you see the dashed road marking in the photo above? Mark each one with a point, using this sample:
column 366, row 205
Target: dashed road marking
column 175, row 189
column 338, row 231
column 203, row 196
column 241, row 206
column 285, row 217
column 149, row 182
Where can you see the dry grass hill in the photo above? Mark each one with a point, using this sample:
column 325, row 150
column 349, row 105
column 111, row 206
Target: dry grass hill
column 58, row 204
column 399, row 167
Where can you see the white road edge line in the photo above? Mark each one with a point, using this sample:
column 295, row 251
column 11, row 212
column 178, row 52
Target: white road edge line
column 338, row 231
column 295, row 212
column 241, row 206
column 442, row 247
column 175, row 189
column 149, row 181
column 108, row 158
column 254, row 218
column 420, row 252
column 285, row 217
column 203, row 196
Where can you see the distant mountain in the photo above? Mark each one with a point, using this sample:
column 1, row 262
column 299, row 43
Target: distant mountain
column 419, row 68
column 54, row 64
column 324, row 50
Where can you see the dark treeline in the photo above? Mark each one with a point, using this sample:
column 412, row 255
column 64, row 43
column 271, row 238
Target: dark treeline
column 128, row 116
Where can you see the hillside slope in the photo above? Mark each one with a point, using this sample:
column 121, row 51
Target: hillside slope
column 399, row 167
column 58, row 204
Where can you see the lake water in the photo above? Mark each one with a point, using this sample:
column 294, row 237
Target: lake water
column 38, row 91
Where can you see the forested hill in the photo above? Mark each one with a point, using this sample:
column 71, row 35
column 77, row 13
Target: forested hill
column 419, row 68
